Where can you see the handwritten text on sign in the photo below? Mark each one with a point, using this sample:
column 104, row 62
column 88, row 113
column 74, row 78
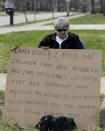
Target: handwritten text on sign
column 57, row 82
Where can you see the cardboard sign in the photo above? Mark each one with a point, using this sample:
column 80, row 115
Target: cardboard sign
column 53, row 81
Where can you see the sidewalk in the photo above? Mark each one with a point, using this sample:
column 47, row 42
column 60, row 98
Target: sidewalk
column 3, row 77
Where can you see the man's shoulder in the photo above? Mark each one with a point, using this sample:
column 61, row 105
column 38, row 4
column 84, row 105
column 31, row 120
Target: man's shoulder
column 72, row 35
column 50, row 35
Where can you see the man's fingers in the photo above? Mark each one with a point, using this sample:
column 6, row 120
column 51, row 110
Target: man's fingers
column 44, row 47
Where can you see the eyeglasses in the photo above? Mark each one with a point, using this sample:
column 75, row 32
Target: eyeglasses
column 61, row 30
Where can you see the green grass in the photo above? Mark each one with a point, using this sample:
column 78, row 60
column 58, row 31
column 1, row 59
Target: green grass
column 11, row 126
column 89, row 19
column 94, row 39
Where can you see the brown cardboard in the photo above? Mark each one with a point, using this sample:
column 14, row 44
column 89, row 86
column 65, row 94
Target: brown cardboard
column 53, row 81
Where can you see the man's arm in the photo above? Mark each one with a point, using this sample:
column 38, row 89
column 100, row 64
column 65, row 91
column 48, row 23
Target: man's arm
column 44, row 43
column 83, row 44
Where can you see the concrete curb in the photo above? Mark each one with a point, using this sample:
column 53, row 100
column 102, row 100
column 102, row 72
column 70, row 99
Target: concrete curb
column 2, row 81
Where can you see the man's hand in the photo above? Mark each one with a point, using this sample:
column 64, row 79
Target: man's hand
column 44, row 47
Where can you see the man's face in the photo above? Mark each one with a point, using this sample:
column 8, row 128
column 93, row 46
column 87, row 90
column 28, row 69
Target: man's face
column 62, row 33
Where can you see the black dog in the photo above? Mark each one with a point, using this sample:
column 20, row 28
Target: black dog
column 48, row 123
column 45, row 123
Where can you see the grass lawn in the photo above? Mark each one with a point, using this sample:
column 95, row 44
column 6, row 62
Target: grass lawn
column 94, row 39
column 88, row 19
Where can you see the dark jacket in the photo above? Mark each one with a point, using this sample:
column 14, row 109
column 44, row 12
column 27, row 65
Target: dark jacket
column 72, row 42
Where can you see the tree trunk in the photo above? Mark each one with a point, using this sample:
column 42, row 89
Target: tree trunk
column 92, row 5
column 104, row 7
column 101, row 3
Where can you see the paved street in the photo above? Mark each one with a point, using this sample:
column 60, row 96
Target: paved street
column 20, row 17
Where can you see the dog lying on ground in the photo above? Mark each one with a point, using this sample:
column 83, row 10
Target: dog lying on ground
column 49, row 123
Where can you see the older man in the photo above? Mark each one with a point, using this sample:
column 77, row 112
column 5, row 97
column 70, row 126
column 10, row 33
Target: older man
column 62, row 38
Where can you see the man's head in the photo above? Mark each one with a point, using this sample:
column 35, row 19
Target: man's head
column 61, row 26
